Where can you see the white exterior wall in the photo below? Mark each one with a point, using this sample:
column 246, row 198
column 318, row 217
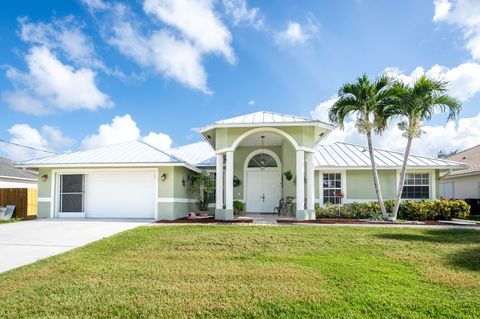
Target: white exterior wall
column 465, row 187
column 16, row 183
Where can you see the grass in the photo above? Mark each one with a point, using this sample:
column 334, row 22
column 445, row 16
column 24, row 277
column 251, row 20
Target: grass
column 11, row 220
column 473, row 217
column 238, row 271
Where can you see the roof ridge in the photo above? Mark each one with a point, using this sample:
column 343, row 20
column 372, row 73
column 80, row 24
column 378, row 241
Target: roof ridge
column 163, row 152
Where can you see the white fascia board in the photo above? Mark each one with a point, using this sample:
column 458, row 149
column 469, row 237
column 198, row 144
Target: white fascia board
column 460, row 175
column 227, row 125
column 19, row 178
column 119, row 165
column 320, row 168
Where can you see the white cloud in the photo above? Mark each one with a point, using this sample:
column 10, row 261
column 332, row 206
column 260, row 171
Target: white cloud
column 240, row 13
column 442, row 8
column 159, row 140
column 451, row 136
column 64, row 34
column 94, row 5
column 48, row 138
column 251, row 102
column 122, row 129
column 49, row 86
column 321, row 110
column 165, row 51
column 465, row 14
column 296, row 33
column 464, row 80
column 197, row 21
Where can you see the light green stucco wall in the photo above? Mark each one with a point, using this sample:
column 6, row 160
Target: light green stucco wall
column 360, row 184
column 171, row 188
column 288, row 158
column 303, row 135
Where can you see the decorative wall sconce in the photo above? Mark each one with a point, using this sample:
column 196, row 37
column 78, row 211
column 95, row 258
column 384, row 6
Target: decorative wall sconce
column 163, row 177
column 183, row 181
column 44, row 177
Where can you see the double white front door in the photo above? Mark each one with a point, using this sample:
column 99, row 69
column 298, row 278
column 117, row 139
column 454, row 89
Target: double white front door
column 263, row 190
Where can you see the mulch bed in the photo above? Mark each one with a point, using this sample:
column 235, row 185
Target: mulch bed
column 204, row 220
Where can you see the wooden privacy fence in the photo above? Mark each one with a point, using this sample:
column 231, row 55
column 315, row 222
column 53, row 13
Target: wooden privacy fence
column 24, row 199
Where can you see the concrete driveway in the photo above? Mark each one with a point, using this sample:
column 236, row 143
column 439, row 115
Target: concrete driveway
column 25, row 242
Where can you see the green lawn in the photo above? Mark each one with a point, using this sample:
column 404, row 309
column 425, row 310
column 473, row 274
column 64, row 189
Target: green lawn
column 245, row 271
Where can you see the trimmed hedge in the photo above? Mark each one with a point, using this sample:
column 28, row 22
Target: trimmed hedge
column 409, row 210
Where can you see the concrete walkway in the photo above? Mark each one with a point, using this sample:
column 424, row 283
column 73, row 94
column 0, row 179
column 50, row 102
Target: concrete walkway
column 25, row 242
column 263, row 219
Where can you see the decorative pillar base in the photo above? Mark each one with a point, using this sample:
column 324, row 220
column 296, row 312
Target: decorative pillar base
column 224, row 214
column 311, row 214
column 301, row 215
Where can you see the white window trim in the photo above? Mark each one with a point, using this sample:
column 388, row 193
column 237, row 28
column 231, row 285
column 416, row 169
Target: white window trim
column 343, row 188
column 431, row 182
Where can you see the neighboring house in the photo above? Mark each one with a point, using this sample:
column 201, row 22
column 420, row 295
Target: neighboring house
column 136, row 180
column 12, row 177
column 464, row 183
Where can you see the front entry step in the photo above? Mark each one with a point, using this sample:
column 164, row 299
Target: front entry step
column 263, row 219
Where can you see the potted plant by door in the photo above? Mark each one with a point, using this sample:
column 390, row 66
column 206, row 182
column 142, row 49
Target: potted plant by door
column 238, row 207
column 203, row 185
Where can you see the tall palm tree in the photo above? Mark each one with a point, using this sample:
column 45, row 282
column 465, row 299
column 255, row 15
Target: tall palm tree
column 415, row 104
column 366, row 100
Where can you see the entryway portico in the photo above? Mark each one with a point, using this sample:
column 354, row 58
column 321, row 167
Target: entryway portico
column 257, row 149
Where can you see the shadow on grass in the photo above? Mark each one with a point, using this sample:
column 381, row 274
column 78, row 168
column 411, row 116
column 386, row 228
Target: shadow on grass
column 467, row 258
column 447, row 236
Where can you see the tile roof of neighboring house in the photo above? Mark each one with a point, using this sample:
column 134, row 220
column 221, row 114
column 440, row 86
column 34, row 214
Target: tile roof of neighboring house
column 132, row 153
column 8, row 170
column 471, row 157
column 344, row 155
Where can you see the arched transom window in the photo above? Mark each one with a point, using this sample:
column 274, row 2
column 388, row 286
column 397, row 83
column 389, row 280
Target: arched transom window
column 262, row 160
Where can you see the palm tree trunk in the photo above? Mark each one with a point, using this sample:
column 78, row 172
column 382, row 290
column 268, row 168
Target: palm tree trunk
column 401, row 182
column 375, row 177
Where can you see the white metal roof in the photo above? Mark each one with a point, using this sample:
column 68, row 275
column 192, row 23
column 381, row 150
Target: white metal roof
column 199, row 154
column 263, row 118
column 350, row 156
column 132, row 153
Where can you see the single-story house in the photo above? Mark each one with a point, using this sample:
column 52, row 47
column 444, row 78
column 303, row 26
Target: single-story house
column 257, row 158
column 13, row 177
column 463, row 183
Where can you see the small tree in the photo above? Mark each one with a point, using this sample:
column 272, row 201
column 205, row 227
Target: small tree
column 415, row 104
column 203, row 185
column 366, row 100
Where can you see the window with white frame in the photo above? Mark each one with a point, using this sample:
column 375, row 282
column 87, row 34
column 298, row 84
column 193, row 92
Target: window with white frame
column 417, row 186
column 332, row 188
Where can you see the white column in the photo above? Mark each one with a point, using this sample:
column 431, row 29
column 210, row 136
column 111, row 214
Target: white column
column 229, row 182
column 310, row 182
column 219, row 182
column 300, row 184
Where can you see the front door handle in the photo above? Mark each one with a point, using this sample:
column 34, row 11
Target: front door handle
column 263, row 197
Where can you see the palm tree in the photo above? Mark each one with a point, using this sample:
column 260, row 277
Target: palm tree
column 366, row 100
column 414, row 105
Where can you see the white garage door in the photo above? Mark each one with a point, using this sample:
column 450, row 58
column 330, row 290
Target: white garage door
column 120, row 195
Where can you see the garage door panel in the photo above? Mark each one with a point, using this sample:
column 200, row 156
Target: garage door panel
column 120, row 195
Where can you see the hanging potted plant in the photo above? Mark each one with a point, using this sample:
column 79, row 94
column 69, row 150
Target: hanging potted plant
column 288, row 175
column 202, row 185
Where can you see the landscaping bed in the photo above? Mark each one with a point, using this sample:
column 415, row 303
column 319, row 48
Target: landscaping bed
column 369, row 222
column 204, row 220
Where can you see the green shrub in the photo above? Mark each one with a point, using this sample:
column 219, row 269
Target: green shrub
column 409, row 210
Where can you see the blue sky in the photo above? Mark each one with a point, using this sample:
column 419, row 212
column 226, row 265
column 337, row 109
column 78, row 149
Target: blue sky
column 69, row 67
